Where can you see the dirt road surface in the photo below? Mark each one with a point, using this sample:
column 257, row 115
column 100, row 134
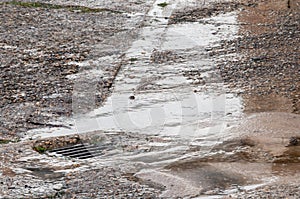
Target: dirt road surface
column 149, row 99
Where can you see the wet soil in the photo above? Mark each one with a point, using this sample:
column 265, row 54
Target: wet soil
column 267, row 68
column 48, row 59
column 39, row 50
column 207, row 9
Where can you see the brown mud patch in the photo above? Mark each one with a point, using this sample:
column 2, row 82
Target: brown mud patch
column 267, row 66
column 267, row 103
column 262, row 18
column 271, row 132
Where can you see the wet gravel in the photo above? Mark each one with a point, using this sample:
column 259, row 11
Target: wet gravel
column 207, row 9
column 40, row 49
column 268, row 57
column 27, row 173
column 264, row 60
column 282, row 191
column 113, row 185
column 160, row 57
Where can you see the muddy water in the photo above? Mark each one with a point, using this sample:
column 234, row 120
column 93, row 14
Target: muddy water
column 162, row 98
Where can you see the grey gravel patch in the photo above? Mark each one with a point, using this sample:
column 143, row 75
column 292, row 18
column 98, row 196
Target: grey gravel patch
column 42, row 49
column 195, row 14
column 160, row 57
column 275, row 191
column 106, row 183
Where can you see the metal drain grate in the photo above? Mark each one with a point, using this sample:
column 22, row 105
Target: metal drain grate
column 80, row 151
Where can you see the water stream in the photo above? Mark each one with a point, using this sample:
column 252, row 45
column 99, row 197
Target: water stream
column 157, row 98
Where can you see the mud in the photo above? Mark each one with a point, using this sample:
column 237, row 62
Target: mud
column 268, row 68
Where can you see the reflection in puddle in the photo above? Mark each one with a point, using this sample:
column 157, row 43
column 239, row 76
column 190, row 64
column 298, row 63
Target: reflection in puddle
column 192, row 35
column 156, row 99
column 169, row 105
column 186, row 114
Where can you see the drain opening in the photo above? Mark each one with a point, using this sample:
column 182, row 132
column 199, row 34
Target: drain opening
column 80, row 151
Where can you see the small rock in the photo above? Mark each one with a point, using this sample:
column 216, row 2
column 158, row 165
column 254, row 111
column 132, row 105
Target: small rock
column 58, row 187
column 132, row 97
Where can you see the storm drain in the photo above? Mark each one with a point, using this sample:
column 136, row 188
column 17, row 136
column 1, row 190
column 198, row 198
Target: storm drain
column 80, row 151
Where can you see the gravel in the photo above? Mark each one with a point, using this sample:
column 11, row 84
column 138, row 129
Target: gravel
column 207, row 9
column 26, row 173
column 106, row 183
column 268, row 57
column 281, row 191
column 40, row 52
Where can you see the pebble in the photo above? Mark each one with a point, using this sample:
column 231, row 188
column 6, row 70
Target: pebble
column 131, row 97
column 57, row 187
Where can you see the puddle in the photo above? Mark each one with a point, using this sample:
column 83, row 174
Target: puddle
column 183, row 113
column 168, row 105
column 157, row 99
column 197, row 34
column 198, row 179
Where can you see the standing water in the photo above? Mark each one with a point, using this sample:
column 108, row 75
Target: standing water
column 171, row 86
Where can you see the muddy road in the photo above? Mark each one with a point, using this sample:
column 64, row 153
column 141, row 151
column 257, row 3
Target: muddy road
column 149, row 99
